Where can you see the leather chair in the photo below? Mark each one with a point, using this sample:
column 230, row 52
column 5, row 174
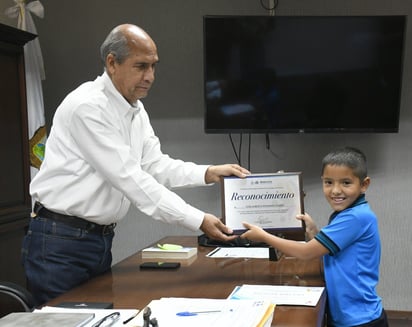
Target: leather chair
column 14, row 298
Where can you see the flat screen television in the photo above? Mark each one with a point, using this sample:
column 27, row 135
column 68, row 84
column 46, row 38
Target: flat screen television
column 300, row 74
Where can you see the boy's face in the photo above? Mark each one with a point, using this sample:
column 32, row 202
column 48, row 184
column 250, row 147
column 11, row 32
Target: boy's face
column 341, row 187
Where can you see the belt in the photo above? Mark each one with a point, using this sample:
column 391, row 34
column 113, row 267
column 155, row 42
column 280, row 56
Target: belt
column 73, row 221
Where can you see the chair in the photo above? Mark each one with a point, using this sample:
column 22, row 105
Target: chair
column 14, row 298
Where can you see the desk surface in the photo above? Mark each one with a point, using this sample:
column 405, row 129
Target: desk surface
column 129, row 287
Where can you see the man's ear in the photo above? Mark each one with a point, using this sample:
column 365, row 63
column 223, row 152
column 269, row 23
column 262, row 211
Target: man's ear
column 110, row 63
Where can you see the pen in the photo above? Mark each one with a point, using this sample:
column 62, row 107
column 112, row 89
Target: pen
column 128, row 319
column 213, row 252
column 194, row 313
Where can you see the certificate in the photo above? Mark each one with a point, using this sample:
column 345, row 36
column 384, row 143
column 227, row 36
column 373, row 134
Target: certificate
column 270, row 201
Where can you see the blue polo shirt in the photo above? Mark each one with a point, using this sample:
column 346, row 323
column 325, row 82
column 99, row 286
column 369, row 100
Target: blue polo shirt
column 352, row 266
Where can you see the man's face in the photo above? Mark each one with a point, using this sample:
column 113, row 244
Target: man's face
column 134, row 77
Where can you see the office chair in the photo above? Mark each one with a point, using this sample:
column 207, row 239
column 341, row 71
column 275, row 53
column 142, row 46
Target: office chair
column 14, row 298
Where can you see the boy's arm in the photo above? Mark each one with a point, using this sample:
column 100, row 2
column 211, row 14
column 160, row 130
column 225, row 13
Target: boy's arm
column 310, row 250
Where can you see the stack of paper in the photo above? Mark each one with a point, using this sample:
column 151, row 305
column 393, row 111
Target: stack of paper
column 185, row 312
column 279, row 294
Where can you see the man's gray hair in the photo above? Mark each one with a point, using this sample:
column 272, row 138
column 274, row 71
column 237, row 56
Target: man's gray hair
column 116, row 44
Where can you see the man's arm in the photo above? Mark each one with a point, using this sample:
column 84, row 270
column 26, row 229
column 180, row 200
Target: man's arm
column 211, row 225
column 213, row 173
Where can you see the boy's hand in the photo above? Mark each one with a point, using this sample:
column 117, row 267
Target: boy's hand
column 254, row 233
column 311, row 228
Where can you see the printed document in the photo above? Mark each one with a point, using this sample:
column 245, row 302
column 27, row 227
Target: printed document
column 239, row 252
column 279, row 294
column 202, row 312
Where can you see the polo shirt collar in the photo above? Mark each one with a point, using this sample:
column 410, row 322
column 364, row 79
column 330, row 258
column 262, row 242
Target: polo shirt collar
column 360, row 200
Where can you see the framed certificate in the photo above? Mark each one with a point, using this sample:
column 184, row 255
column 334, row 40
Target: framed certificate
column 270, row 201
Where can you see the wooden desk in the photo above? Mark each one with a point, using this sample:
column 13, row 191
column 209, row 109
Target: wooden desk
column 129, row 287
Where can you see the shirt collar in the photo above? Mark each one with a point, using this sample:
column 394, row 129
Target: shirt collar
column 121, row 103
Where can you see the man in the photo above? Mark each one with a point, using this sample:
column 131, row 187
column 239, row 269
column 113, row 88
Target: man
column 102, row 155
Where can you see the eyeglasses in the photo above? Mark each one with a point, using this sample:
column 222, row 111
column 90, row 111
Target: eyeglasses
column 108, row 320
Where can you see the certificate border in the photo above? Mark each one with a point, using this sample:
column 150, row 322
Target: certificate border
column 273, row 230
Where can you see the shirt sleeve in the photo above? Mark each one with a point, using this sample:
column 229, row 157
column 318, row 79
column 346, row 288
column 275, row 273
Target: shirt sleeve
column 137, row 171
column 323, row 239
column 170, row 172
column 343, row 231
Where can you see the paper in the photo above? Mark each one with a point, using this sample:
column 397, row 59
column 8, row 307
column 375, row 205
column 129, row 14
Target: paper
column 221, row 312
column 99, row 314
column 239, row 252
column 279, row 294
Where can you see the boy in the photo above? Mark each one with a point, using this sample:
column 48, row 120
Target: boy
column 349, row 244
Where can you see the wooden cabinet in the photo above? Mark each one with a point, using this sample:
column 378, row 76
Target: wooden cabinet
column 15, row 202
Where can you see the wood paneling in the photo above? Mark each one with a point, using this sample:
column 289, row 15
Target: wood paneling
column 15, row 204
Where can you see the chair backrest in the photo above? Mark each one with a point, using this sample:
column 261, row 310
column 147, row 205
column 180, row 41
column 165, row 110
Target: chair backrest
column 14, row 298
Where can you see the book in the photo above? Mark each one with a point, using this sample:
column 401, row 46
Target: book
column 46, row 319
column 177, row 253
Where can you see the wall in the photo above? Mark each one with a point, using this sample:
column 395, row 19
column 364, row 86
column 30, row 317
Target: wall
column 71, row 33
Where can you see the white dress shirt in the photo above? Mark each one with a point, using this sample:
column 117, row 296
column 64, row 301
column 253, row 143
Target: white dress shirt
column 102, row 155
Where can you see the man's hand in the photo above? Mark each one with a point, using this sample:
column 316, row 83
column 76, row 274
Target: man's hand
column 213, row 173
column 215, row 229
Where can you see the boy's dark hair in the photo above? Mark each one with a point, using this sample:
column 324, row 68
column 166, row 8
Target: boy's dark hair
column 349, row 157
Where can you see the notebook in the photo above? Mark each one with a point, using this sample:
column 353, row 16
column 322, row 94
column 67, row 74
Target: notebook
column 46, row 319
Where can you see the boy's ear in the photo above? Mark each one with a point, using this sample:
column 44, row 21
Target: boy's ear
column 365, row 184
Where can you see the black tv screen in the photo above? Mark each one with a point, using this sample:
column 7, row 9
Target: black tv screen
column 284, row 74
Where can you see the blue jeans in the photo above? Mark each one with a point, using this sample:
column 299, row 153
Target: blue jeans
column 57, row 257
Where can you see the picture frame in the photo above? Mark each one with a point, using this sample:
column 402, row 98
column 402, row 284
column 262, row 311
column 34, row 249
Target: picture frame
column 270, row 201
